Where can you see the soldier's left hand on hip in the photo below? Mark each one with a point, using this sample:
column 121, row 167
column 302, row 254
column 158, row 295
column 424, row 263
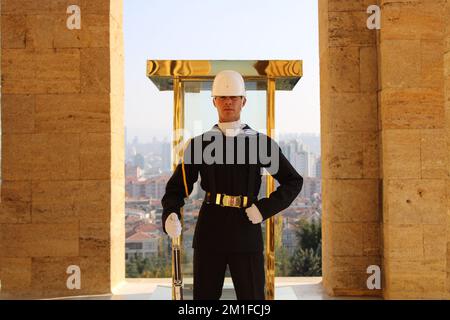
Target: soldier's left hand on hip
column 253, row 214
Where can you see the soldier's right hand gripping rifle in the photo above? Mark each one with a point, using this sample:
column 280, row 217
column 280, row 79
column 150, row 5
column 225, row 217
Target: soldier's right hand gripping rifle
column 173, row 228
column 178, row 187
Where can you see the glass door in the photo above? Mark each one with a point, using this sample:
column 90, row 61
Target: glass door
column 200, row 115
column 194, row 112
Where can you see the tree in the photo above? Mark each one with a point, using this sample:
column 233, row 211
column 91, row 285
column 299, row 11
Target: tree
column 306, row 263
column 155, row 267
column 131, row 269
column 309, row 234
column 282, row 262
column 307, row 257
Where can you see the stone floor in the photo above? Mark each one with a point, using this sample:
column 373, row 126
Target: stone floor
column 286, row 288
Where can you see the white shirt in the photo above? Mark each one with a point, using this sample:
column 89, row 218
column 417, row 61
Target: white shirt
column 231, row 129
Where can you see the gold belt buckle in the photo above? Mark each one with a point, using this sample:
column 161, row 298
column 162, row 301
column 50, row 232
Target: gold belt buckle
column 231, row 201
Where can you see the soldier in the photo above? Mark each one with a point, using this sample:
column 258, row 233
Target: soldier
column 229, row 158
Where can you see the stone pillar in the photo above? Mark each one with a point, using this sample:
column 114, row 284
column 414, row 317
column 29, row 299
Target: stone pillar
column 62, row 199
column 350, row 146
column 447, row 126
column 415, row 149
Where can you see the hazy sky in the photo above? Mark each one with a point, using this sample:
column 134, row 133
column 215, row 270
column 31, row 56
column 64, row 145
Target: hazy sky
column 219, row 30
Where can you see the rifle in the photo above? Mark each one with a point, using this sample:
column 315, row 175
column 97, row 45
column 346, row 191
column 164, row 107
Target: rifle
column 177, row 276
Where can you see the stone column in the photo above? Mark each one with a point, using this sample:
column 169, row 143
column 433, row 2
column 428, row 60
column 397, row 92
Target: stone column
column 415, row 152
column 350, row 146
column 62, row 199
column 447, row 126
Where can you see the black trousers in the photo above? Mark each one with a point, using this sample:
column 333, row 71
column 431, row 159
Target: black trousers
column 247, row 273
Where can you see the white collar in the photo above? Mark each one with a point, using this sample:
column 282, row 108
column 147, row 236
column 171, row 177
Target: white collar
column 231, row 128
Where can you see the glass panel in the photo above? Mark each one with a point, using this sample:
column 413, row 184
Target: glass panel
column 298, row 247
column 200, row 115
column 147, row 170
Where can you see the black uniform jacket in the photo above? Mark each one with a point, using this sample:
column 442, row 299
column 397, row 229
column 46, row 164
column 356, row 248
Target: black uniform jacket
column 228, row 229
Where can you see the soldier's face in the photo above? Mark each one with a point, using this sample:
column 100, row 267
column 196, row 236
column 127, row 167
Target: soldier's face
column 229, row 108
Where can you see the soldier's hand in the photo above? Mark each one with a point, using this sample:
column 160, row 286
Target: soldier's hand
column 173, row 225
column 253, row 214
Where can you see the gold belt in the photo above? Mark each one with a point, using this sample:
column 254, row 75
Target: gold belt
column 226, row 200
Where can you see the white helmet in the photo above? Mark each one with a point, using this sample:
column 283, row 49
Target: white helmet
column 228, row 83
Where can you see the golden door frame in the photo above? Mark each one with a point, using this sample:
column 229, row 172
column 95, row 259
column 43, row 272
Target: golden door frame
column 171, row 74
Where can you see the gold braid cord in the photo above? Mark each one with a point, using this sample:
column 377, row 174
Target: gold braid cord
column 182, row 168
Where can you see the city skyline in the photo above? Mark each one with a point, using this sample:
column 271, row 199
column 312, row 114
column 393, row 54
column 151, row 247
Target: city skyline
column 302, row 151
column 149, row 138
